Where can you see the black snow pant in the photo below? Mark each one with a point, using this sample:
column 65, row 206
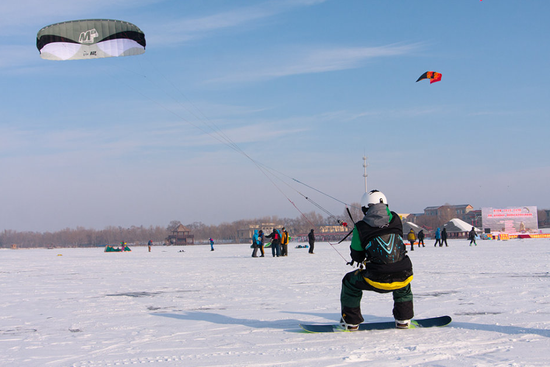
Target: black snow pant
column 353, row 286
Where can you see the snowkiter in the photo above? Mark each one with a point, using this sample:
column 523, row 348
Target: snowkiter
column 311, row 240
column 284, row 242
column 421, row 238
column 472, row 236
column 444, row 238
column 255, row 243
column 377, row 243
column 275, row 242
column 437, row 237
column 261, row 238
column 412, row 237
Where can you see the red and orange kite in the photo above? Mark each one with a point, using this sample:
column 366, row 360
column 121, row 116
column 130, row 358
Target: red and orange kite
column 432, row 75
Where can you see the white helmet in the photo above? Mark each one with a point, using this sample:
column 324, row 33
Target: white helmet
column 373, row 197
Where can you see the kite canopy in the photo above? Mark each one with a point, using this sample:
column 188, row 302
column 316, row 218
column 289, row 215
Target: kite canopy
column 432, row 75
column 89, row 39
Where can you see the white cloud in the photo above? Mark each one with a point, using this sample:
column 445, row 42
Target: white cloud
column 74, row 145
column 296, row 62
column 183, row 30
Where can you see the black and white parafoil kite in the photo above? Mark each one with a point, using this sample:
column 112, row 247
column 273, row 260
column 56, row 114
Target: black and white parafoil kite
column 90, row 39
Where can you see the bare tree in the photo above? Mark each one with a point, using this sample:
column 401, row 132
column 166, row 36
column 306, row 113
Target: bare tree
column 173, row 225
column 542, row 217
column 356, row 213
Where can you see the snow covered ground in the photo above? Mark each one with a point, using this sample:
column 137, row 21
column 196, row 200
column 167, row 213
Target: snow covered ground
column 84, row 307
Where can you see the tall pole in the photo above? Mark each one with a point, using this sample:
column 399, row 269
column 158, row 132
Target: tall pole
column 365, row 171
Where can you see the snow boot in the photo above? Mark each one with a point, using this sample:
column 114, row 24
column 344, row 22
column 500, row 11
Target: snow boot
column 402, row 324
column 349, row 327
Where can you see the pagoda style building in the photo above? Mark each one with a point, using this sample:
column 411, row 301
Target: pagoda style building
column 180, row 236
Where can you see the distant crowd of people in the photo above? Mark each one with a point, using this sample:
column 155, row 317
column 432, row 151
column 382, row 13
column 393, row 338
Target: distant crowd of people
column 280, row 239
column 440, row 237
column 278, row 244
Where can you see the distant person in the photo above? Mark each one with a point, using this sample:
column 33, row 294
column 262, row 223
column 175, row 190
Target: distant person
column 421, row 238
column 437, row 237
column 275, row 242
column 472, row 236
column 255, row 243
column 261, row 238
column 149, row 244
column 211, row 244
column 284, row 242
column 311, row 240
column 412, row 238
column 444, row 238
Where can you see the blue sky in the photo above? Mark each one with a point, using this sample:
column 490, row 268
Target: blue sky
column 304, row 87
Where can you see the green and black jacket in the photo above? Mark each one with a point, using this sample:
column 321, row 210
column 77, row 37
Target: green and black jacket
column 378, row 240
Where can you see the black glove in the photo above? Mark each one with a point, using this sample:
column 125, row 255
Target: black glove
column 358, row 264
column 357, row 256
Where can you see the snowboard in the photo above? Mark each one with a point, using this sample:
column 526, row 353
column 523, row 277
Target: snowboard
column 418, row 323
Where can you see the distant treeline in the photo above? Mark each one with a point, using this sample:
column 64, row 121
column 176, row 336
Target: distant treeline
column 223, row 233
column 82, row 237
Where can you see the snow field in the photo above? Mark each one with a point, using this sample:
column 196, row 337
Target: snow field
column 200, row 308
